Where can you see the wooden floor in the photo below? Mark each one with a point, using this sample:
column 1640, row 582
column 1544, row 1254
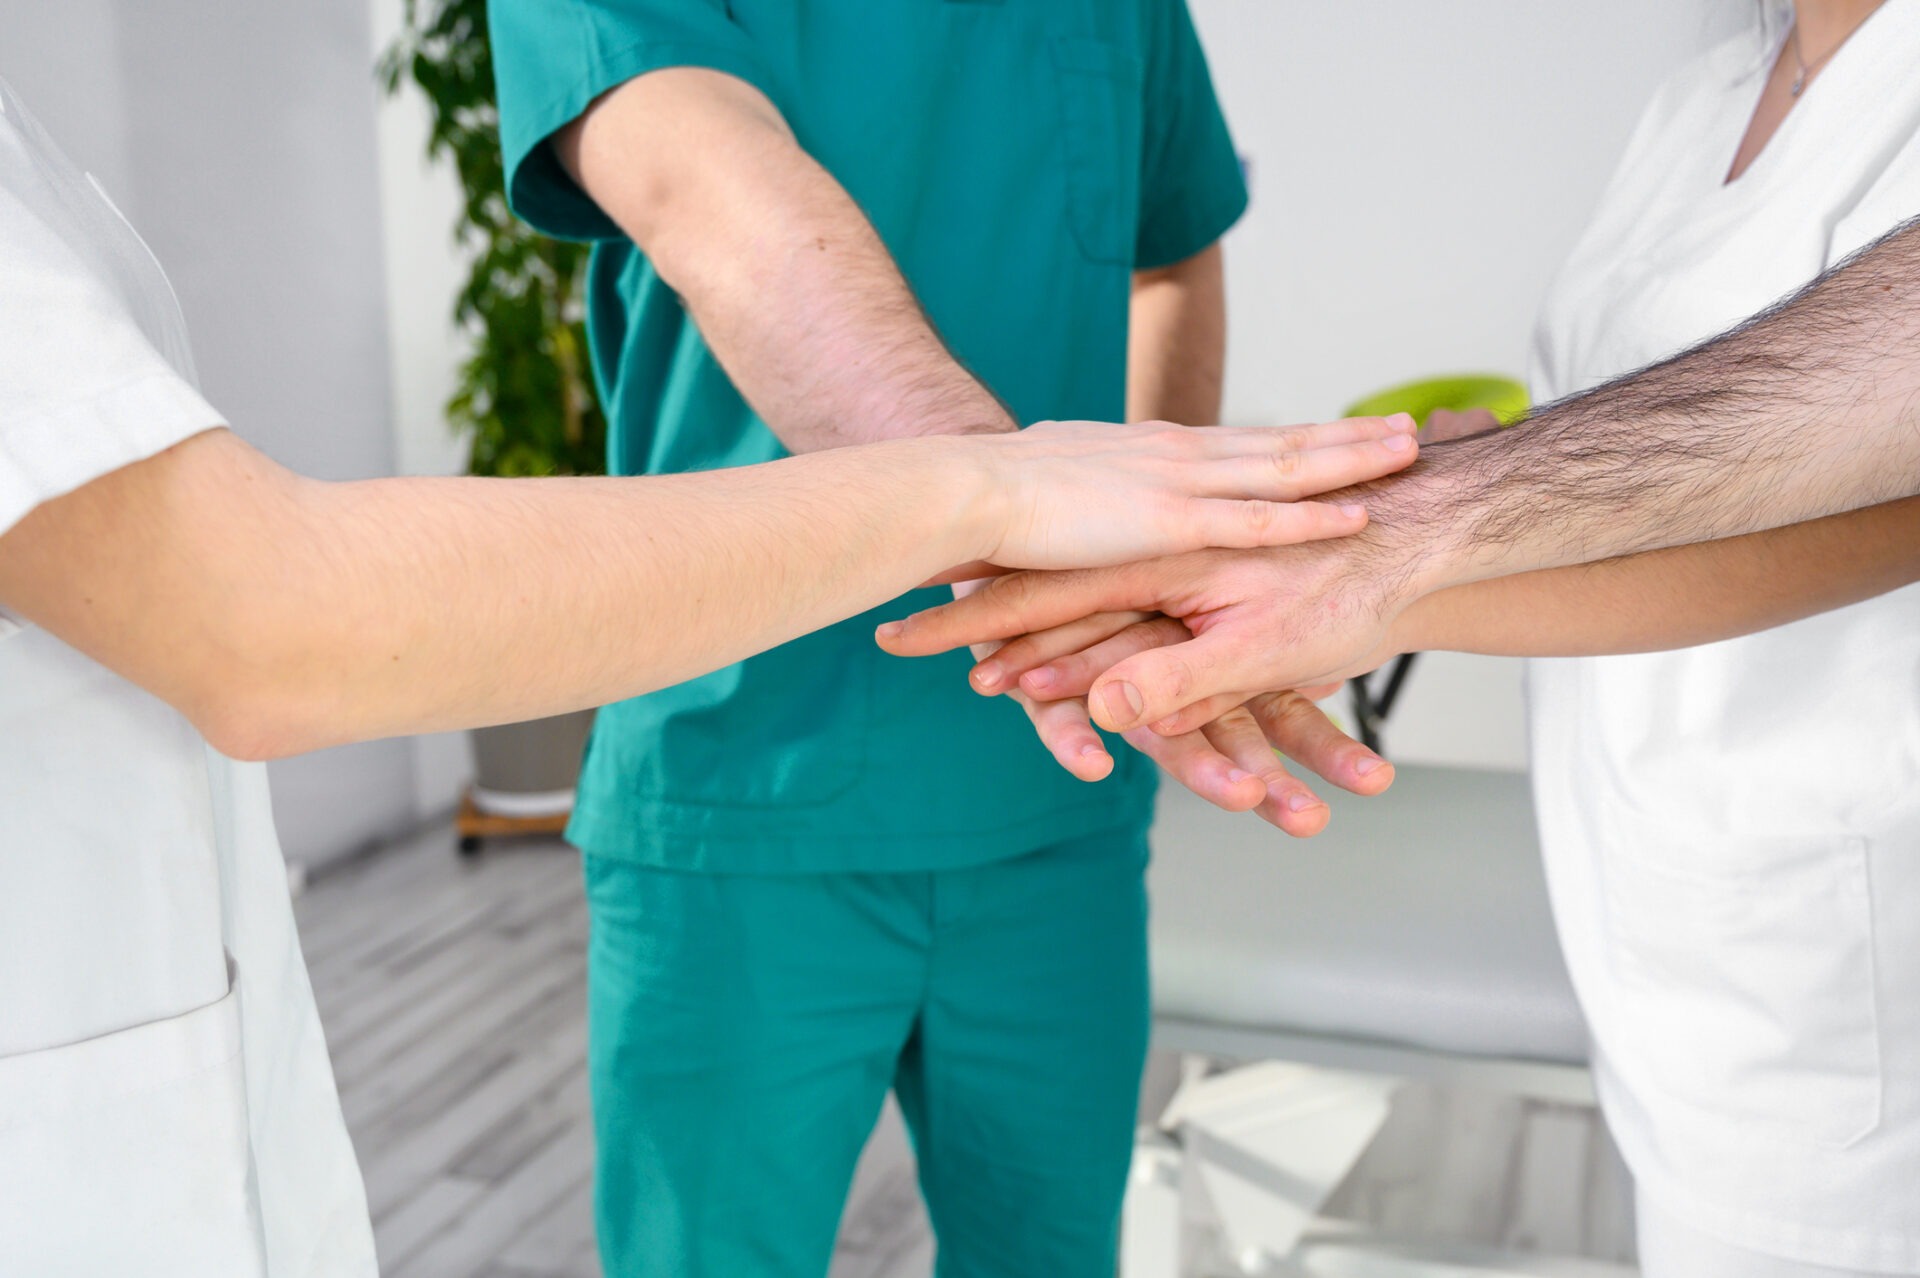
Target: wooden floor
column 454, row 1002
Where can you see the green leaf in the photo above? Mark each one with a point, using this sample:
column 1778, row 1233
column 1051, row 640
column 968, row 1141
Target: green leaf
column 525, row 397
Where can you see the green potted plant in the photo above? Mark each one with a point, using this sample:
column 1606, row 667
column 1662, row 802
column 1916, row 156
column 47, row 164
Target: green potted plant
column 525, row 398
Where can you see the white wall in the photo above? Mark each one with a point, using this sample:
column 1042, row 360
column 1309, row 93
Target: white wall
column 238, row 136
column 1419, row 169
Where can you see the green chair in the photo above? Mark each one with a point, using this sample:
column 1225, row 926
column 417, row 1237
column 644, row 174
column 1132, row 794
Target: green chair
column 1507, row 400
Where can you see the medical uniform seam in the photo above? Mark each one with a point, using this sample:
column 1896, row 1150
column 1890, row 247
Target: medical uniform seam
column 1812, row 1244
column 120, row 432
column 643, row 841
column 1206, row 230
column 624, row 63
column 346, row 1215
column 663, row 805
column 138, row 1091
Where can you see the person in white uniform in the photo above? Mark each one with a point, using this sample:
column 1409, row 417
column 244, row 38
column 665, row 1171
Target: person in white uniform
column 1732, row 831
column 166, row 1103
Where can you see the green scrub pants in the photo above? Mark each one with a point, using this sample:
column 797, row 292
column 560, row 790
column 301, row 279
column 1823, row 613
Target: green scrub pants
column 744, row 1030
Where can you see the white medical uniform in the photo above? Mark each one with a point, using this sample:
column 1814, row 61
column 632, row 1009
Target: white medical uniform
column 166, row 1104
column 1732, row 831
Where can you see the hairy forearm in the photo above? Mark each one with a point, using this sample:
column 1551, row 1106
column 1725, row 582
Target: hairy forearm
column 1177, row 341
column 1677, row 597
column 791, row 287
column 284, row 614
column 1810, row 409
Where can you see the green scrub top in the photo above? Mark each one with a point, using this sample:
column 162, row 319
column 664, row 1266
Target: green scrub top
column 1020, row 158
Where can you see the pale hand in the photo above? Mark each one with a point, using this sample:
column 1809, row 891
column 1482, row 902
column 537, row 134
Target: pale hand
column 1078, row 494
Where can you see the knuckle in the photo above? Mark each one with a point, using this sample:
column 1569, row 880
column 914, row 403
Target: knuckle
column 1259, row 517
column 1020, row 652
column 1175, row 678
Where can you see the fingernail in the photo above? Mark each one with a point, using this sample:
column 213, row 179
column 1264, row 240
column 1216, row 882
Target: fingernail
column 1235, row 776
column 1352, row 509
column 1370, row 763
column 1404, row 421
column 989, row 675
column 1123, row 703
column 1165, row 725
column 1040, row 680
column 891, row 629
column 1301, row 802
column 1091, row 748
column 1397, row 443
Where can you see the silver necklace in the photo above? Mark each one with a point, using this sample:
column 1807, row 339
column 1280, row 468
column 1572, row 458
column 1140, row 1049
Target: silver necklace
column 1805, row 68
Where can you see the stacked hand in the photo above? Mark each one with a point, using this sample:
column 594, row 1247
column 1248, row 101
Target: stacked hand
column 1208, row 662
column 1073, row 494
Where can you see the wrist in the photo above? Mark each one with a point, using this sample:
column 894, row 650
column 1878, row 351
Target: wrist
column 1415, row 628
column 972, row 495
column 1413, row 546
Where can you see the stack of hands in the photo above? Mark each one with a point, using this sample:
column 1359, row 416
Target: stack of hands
column 1209, row 661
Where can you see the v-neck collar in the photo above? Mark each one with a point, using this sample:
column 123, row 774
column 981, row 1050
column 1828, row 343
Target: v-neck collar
column 1871, row 42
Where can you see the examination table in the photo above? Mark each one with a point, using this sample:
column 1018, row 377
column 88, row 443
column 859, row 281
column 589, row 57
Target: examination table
column 1412, row 939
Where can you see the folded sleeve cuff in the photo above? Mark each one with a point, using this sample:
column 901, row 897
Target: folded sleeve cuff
column 1188, row 225
column 539, row 189
column 59, row 448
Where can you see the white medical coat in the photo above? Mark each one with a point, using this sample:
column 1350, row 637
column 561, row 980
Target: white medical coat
column 1732, row 831
column 166, row 1104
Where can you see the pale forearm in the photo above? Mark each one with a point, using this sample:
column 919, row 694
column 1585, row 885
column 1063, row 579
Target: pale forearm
column 1177, row 341
column 282, row 614
column 1677, row 597
column 302, row 614
column 791, row 287
column 1809, row 410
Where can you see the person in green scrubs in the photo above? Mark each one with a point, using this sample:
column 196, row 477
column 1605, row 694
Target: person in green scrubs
column 822, row 873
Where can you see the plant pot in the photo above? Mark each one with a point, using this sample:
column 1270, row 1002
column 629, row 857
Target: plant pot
column 529, row 769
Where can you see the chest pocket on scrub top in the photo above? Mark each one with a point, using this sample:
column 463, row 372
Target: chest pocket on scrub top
column 1100, row 87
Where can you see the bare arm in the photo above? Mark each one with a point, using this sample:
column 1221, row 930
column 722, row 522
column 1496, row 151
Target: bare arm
column 1811, row 409
column 1678, row 597
column 788, row 282
column 283, row 614
column 1177, row 341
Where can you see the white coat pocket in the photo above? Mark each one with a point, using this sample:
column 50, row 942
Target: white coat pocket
column 1746, row 977
column 129, row 1154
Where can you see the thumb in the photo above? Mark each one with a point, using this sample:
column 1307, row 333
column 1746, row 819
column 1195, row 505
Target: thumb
column 1149, row 686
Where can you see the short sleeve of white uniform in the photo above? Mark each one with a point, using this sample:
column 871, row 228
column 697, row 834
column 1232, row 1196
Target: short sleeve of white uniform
column 94, row 373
